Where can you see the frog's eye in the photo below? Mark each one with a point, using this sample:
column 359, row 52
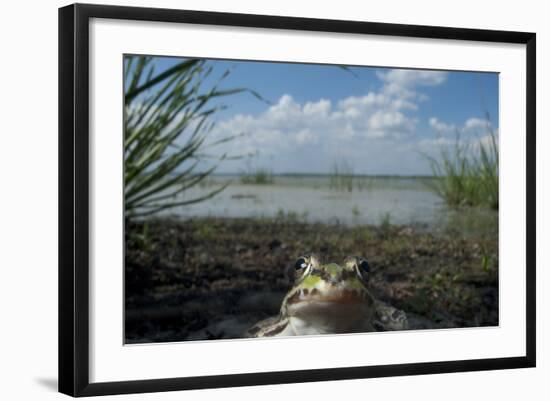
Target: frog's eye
column 300, row 264
column 363, row 268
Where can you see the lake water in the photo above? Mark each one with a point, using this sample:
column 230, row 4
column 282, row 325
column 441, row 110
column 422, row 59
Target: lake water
column 399, row 200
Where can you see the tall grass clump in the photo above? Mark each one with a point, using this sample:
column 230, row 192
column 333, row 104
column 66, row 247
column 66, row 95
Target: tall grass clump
column 341, row 177
column 259, row 176
column 166, row 124
column 467, row 173
column 255, row 175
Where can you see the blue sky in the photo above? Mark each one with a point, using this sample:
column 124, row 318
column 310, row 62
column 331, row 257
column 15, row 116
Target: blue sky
column 376, row 120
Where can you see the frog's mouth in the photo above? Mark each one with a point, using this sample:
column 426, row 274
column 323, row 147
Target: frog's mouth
column 335, row 296
column 344, row 313
column 341, row 304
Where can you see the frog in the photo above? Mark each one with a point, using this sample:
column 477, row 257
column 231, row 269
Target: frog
column 329, row 298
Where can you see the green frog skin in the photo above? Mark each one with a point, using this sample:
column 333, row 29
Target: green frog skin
column 329, row 299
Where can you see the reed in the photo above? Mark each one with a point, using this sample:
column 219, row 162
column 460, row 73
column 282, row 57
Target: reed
column 260, row 176
column 166, row 126
column 341, row 177
column 467, row 173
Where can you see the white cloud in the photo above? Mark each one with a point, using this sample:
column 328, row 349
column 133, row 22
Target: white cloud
column 412, row 78
column 402, row 85
column 324, row 130
column 305, row 136
column 441, row 127
column 390, row 123
column 321, row 108
column 472, row 126
column 288, row 123
column 431, row 145
column 475, row 123
column 474, row 131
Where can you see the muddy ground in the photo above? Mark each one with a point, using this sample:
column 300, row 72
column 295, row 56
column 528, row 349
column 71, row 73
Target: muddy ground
column 213, row 278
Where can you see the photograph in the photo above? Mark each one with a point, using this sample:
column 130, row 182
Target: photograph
column 276, row 199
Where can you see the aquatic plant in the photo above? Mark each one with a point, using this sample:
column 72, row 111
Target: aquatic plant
column 254, row 174
column 341, row 176
column 361, row 235
column 467, row 172
column 385, row 225
column 166, row 124
column 260, row 176
column 290, row 216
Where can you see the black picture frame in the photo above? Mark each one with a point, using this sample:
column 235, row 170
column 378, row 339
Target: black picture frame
column 74, row 198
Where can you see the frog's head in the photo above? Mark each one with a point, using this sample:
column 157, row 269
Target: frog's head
column 329, row 294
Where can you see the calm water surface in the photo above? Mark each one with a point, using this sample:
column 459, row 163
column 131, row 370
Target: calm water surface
column 400, row 200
